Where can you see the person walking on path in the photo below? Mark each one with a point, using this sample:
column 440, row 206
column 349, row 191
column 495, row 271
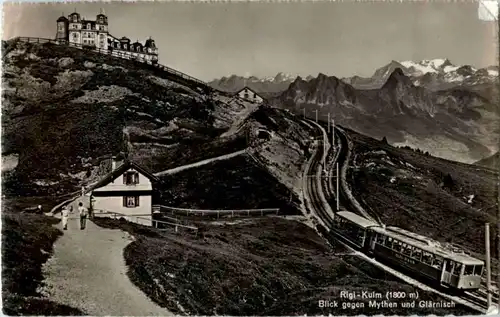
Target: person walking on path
column 83, row 215
column 65, row 216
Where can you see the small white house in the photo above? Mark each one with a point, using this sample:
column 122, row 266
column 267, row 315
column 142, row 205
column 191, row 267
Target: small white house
column 250, row 95
column 128, row 191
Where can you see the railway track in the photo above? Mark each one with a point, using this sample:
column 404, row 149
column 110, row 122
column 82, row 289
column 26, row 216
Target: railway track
column 475, row 300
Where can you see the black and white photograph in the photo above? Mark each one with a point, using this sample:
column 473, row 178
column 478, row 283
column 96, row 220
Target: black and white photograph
column 260, row 158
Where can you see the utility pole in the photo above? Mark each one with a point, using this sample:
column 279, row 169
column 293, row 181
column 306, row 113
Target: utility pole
column 488, row 269
column 337, row 183
column 333, row 134
column 328, row 122
column 324, row 154
column 498, row 255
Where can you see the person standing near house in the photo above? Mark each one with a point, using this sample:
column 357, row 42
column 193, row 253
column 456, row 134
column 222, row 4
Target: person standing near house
column 65, row 216
column 83, row 215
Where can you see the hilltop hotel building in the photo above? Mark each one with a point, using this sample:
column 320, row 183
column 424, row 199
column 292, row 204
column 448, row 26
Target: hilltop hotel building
column 95, row 34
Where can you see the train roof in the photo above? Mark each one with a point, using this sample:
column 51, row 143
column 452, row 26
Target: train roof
column 428, row 245
column 357, row 219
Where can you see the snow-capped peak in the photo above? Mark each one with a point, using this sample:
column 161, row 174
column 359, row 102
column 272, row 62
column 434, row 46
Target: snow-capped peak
column 284, row 77
column 427, row 66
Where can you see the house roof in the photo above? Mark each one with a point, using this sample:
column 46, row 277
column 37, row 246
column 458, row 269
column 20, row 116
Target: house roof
column 246, row 87
column 120, row 170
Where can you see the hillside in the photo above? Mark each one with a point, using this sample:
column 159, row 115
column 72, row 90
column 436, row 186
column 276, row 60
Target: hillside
column 457, row 123
column 442, row 199
column 75, row 106
column 268, row 266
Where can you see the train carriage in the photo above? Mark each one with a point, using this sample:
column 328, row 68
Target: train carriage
column 353, row 227
column 426, row 257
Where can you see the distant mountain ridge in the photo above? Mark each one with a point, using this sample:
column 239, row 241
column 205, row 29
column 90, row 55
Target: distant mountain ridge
column 435, row 74
column 458, row 123
column 268, row 86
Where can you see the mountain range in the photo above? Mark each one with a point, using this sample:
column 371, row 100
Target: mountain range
column 435, row 74
column 448, row 110
column 460, row 123
column 267, row 86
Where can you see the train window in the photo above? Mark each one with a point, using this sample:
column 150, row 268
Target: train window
column 438, row 262
column 478, row 270
column 388, row 242
column 458, row 269
column 397, row 245
column 427, row 258
column 449, row 266
column 469, row 270
column 417, row 254
column 380, row 239
column 407, row 249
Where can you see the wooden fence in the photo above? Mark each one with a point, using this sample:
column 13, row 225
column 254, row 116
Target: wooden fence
column 143, row 218
column 115, row 53
column 213, row 212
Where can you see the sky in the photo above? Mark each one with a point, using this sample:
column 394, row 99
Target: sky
column 211, row 40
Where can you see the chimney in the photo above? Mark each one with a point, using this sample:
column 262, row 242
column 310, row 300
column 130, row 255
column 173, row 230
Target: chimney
column 115, row 162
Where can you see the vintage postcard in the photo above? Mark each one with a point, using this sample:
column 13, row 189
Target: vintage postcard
column 250, row 158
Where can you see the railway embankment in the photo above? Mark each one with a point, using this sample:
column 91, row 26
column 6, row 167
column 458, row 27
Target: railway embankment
column 343, row 177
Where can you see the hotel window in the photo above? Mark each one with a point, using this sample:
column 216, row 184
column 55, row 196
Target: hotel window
column 131, row 178
column 130, row 201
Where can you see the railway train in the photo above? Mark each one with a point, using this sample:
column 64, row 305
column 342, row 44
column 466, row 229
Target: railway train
column 428, row 259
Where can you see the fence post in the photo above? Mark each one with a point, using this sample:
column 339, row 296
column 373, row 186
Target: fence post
column 232, row 213
column 176, row 229
column 248, row 212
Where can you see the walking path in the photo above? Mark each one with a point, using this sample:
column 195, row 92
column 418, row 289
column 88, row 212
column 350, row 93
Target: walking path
column 200, row 163
column 87, row 271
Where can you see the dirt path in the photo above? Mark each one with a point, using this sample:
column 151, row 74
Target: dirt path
column 87, row 271
column 200, row 163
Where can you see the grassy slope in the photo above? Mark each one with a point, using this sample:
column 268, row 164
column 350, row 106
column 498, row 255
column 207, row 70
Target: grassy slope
column 418, row 199
column 269, row 267
column 27, row 241
column 236, row 183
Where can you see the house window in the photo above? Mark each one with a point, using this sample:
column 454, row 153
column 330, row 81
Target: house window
column 131, row 178
column 246, row 95
column 130, row 201
column 254, row 95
